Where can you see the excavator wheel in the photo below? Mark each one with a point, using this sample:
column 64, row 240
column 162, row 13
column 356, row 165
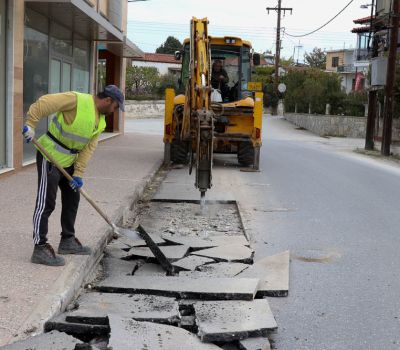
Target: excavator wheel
column 246, row 153
column 179, row 152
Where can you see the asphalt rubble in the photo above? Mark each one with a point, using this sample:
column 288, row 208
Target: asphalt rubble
column 190, row 282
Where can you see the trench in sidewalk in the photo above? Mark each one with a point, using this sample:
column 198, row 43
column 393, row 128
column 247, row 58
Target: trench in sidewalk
column 221, row 219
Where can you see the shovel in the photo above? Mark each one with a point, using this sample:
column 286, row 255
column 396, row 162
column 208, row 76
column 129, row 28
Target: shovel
column 118, row 231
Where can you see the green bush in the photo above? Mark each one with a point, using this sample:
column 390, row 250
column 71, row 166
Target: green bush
column 265, row 75
column 354, row 104
column 314, row 89
column 146, row 83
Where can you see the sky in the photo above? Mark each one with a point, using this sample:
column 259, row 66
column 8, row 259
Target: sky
column 151, row 22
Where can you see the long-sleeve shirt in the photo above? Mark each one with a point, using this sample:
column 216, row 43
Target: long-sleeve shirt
column 66, row 103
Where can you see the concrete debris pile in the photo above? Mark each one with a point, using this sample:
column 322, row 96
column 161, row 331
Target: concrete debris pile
column 179, row 288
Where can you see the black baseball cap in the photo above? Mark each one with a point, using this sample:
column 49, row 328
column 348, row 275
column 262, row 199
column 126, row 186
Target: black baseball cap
column 116, row 94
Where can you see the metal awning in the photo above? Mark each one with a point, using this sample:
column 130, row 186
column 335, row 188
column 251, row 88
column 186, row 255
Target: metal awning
column 125, row 49
column 78, row 16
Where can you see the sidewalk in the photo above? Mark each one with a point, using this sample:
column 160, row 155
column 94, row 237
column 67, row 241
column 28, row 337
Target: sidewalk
column 29, row 293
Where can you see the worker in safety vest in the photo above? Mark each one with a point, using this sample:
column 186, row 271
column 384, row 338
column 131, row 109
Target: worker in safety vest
column 71, row 138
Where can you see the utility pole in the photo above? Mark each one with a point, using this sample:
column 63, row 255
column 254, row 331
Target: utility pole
column 298, row 52
column 390, row 80
column 372, row 102
column 279, row 9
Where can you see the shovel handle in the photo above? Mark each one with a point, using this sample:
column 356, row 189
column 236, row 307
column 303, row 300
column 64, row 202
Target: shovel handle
column 69, row 178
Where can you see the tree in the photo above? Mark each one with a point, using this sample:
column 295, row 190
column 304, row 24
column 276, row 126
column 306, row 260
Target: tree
column 286, row 62
column 141, row 80
column 170, row 45
column 313, row 89
column 316, row 58
column 265, row 75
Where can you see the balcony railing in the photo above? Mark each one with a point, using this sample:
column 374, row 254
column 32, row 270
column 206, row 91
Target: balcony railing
column 361, row 55
column 347, row 68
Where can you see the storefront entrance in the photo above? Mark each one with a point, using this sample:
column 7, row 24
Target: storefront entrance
column 55, row 60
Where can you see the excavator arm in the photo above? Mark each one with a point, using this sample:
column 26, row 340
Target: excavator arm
column 198, row 121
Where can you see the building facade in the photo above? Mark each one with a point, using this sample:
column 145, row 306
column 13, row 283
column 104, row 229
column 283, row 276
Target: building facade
column 56, row 46
column 342, row 63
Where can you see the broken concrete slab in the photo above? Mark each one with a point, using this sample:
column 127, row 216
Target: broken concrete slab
column 223, row 269
column 130, row 243
column 114, row 266
column 115, row 252
column 93, row 329
column 48, row 341
column 192, row 262
column 258, row 343
column 94, row 308
column 226, row 321
column 228, row 252
column 191, row 241
column 202, row 288
column 149, row 269
column 133, row 335
column 172, row 252
column 156, row 251
column 116, row 243
column 229, row 239
column 273, row 272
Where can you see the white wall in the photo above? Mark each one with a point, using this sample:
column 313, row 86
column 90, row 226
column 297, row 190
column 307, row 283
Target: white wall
column 347, row 82
column 161, row 66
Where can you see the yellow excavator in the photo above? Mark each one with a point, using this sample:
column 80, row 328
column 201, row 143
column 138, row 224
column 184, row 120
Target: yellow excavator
column 218, row 109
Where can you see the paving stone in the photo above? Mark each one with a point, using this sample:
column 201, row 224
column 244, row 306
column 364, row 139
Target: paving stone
column 149, row 269
column 273, row 272
column 226, row 321
column 48, row 341
column 172, row 253
column 117, row 266
column 192, row 262
column 223, row 269
column 202, row 288
column 191, row 241
column 133, row 335
column 229, row 252
column 95, row 307
column 258, row 343
column 130, row 243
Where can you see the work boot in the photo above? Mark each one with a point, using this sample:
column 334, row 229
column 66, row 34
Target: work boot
column 44, row 254
column 71, row 245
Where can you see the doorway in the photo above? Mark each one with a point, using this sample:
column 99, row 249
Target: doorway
column 3, row 135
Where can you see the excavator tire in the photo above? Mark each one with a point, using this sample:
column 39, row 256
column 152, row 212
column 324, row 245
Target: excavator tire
column 179, row 152
column 246, row 153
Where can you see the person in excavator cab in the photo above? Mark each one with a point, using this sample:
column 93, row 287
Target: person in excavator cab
column 220, row 80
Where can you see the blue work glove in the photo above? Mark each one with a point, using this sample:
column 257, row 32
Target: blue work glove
column 76, row 183
column 28, row 133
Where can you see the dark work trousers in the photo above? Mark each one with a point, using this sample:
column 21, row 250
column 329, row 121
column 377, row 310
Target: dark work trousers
column 49, row 180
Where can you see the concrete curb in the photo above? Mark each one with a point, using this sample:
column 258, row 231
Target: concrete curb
column 69, row 283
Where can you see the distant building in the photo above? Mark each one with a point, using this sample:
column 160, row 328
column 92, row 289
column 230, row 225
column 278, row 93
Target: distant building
column 165, row 63
column 267, row 60
column 343, row 63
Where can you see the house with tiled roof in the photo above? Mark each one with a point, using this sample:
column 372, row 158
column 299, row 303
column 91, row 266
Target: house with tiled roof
column 165, row 63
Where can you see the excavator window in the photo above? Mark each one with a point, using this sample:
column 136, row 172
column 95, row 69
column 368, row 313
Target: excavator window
column 235, row 62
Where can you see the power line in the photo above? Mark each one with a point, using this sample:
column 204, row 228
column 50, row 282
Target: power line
column 324, row 25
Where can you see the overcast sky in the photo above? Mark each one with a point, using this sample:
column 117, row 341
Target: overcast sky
column 151, row 22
